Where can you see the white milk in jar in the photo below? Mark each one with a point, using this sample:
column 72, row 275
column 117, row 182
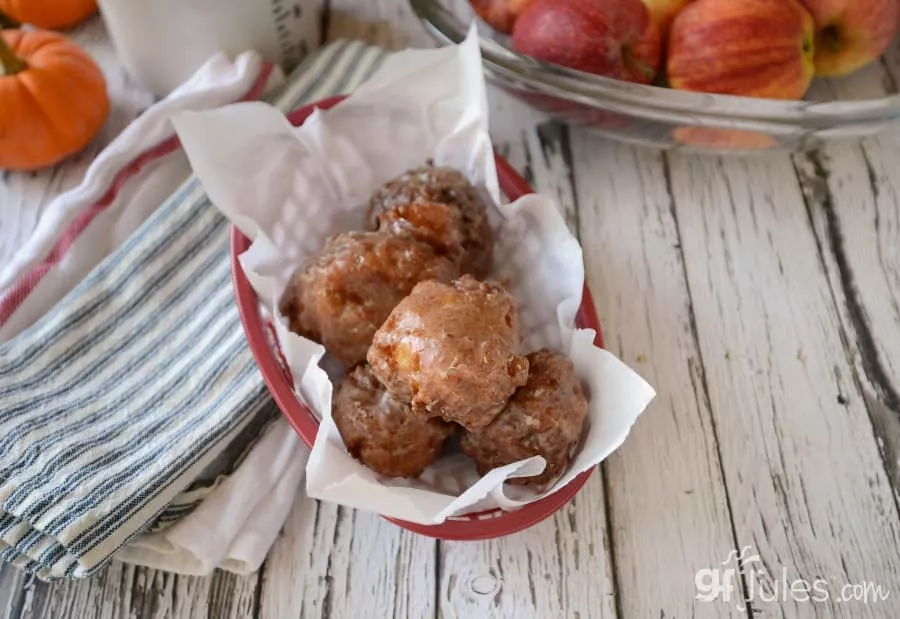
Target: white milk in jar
column 163, row 42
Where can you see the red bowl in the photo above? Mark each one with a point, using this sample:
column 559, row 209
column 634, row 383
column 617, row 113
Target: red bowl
column 483, row 525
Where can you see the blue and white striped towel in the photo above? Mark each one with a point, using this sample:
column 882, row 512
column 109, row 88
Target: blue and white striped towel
column 114, row 401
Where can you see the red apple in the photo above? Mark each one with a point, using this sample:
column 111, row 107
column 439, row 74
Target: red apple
column 851, row 33
column 615, row 38
column 662, row 12
column 500, row 14
column 762, row 48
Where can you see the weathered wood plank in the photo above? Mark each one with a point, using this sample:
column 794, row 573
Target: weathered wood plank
column 12, row 593
column 332, row 561
column 668, row 473
column 558, row 568
column 232, row 596
column 853, row 199
column 536, row 146
column 126, row 591
column 817, row 448
column 17, row 591
column 562, row 566
column 805, row 480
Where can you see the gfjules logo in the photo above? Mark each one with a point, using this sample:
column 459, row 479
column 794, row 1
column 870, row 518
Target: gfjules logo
column 723, row 584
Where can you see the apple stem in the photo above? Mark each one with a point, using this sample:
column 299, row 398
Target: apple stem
column 9, row 62
column 7, row 22
column 831, row 38
column 644, row 68
column 630, row 61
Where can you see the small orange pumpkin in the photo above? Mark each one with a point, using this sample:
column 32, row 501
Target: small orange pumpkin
column 49, row 14
column 53, row 99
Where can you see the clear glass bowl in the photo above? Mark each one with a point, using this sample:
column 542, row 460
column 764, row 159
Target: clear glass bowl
column 849, row 108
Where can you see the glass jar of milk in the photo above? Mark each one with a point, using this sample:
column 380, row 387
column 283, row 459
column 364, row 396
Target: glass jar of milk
column 163, row 42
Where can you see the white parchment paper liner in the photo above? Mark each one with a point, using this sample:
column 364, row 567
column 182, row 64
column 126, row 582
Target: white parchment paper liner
column 289, row 189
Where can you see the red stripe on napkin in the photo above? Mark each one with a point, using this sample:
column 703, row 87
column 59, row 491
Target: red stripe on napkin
column 13, row 298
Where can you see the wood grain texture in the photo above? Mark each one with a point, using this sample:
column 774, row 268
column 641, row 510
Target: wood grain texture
column 557, row 568
column 852, row 197
column 536, row 146
column 853, row 201
column 805, row 480
column 331, row 561
column 16, row 593
column 126, row 591
column 668, row 473
column 561, row 567
column 763, row 308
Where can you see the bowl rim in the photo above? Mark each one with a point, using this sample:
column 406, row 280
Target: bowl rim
column 651, row 101
column 304, row 421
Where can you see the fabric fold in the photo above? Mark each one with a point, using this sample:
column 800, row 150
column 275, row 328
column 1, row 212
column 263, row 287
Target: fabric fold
column 124, row 371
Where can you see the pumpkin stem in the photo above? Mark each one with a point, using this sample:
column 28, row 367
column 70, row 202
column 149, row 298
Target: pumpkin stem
column 7, row 22
column 9, row 62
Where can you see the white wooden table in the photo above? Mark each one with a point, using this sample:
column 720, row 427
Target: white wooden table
column 760, row 297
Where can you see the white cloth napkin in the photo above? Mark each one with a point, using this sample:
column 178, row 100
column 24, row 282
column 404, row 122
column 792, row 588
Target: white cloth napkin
column 92, row 230
column 234, row 527
column 126, row 183
column 236, row 524
column 141, row 168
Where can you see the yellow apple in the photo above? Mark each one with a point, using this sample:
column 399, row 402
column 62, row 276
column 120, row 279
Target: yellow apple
column 851, row 33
